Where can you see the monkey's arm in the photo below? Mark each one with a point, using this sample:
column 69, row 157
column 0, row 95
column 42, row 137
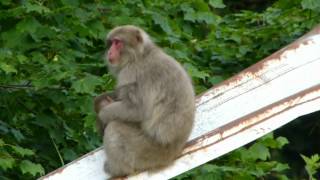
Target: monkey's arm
column 119, row 111
column 99, row 102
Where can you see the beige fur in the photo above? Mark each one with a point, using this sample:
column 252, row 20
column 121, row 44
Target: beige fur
column 148, row 124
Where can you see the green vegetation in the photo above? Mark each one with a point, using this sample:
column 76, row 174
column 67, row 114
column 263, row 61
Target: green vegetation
column 312, row 165
column 253, row 162
column 51, row 65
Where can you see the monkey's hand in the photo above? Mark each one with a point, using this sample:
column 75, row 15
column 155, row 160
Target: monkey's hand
column 102, row 100
column 119, row 111
column 99, row 103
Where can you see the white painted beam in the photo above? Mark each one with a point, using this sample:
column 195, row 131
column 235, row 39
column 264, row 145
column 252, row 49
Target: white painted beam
column 251, row 104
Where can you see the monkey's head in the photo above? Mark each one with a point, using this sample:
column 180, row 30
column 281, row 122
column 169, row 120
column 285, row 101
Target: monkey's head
column 125, row 45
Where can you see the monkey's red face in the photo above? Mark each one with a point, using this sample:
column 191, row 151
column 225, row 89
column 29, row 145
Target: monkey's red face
column 114, row 51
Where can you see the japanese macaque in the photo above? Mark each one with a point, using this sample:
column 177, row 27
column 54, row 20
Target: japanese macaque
column 150, row 116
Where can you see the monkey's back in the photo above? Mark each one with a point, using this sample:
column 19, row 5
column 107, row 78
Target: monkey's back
column 170, row 110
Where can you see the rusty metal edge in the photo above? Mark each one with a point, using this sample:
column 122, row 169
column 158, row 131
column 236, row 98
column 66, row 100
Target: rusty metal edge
column 246, row 119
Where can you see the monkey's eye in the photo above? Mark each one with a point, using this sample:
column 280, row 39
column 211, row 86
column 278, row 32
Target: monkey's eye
column 116, row 41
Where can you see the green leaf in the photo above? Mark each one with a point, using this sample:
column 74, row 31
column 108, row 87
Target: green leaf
column 22, row 151
column 282, row 177
column 190, row 16
column 36, row 8
column 87, row 84
column 282, row 141
column 17, row 134
column 6, row 161
column 312, row 164
column 207, row 17
column 162, row 21
column 71, row 2
column 311, row 4
column 69, row 154
column 87, row 104
column 97, row 30
column 22, row 59
column 5, row 53
column 194, row 72
column 41, row 82
column 281, row 167
column 27, row 166
column 29, row 25
column 201, row 5
column 7, row 68
column 215, row 79
column 5, row 2
column 1, row 142
column 46, row 121
column 259, row 151
column 13, row 38
column 89, row 121
column 217, row 3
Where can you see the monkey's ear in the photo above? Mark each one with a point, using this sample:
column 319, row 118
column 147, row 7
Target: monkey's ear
column 139, row 36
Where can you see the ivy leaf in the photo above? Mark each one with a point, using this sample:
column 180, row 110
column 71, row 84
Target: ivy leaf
column 6, row 161
column 22, row 151
column 27, row 166
column 87, row 84
column 217, row 3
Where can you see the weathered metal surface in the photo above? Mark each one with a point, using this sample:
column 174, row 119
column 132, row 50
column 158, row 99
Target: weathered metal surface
column 258, row 100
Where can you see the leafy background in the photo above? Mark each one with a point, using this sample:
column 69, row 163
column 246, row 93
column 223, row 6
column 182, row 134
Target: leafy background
column 51, row 67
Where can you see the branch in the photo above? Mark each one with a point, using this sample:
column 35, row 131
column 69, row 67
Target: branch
column 18, row 86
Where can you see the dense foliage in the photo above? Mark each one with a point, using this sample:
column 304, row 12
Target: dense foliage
column 51, row 65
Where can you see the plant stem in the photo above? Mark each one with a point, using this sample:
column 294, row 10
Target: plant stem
column 56, row 147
